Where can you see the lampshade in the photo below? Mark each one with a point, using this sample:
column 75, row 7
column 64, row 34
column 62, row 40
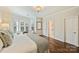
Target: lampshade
column 4, row 25
column 0, row 20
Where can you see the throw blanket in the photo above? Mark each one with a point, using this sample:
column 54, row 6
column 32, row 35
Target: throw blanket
column 42, row 43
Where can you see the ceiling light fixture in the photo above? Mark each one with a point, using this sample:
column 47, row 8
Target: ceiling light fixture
column 38, row 8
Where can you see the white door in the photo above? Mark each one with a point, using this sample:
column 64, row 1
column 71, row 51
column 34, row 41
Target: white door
column 51, row 28
column 71, row 27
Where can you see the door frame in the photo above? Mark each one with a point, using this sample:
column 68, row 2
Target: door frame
column 53, row 22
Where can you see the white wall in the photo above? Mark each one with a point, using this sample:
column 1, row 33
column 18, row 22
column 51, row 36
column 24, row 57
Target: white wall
column 33, row 22
column 59, row 28
column 59, row 18
column 45, row 26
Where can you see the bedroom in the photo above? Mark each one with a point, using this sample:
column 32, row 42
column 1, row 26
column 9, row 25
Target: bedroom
column 37, row 29
column 17, row 25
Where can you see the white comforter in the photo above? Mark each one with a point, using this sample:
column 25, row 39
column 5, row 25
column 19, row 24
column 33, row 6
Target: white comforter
column 21, row 43
column 42, row 43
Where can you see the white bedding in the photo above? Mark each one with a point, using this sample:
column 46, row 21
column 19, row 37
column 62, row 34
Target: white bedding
column 21, row 44
column 42, row 43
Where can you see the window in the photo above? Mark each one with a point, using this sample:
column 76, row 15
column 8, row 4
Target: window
column 22, row 26
column 26, row 28
column 14, row 29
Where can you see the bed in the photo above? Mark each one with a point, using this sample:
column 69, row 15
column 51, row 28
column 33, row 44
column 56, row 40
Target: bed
column 42, row 43
column 21, row 44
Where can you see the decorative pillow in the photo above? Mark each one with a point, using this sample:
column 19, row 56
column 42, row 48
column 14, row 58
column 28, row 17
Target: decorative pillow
column 5, row 39
column 1, row 44
column 10, row 33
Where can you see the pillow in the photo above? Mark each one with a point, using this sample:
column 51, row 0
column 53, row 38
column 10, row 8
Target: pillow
column 1, row 44
column 7, row 32
column 10, row 33
column 5, row 39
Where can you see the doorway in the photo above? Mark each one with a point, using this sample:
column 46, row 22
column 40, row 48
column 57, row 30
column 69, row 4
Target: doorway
column 51, row 28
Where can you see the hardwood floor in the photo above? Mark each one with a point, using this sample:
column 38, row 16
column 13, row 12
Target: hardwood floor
column 56, row 46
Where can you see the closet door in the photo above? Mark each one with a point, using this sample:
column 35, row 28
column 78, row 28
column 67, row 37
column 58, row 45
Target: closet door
column 71, row 30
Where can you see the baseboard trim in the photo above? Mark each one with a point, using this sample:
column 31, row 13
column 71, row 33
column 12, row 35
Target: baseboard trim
column 60, row 41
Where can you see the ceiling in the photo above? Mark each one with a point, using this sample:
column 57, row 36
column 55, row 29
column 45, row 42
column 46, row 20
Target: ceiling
column 30, row 11
column 53, row 9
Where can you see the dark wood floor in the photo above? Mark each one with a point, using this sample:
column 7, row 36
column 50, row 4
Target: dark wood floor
column 56, row 46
